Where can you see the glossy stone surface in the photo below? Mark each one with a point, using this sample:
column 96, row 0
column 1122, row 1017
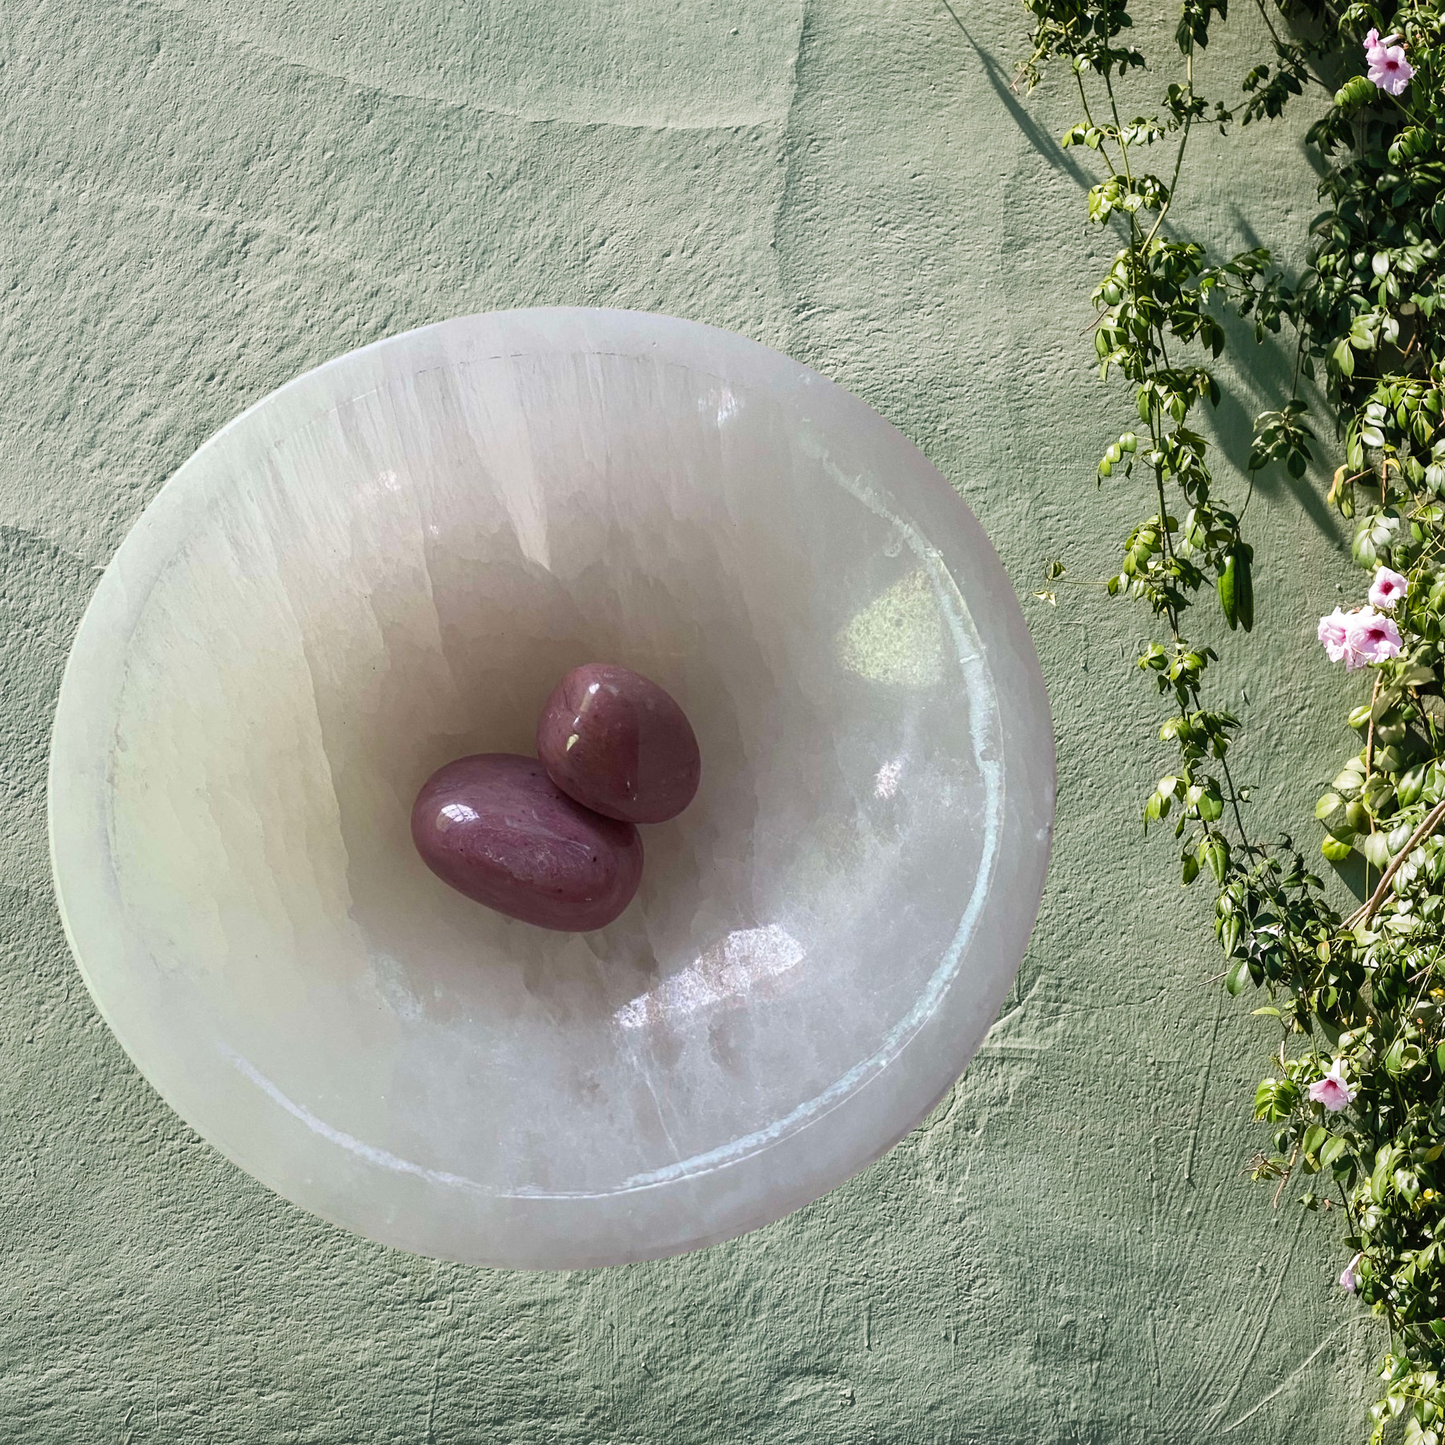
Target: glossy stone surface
column 620, row 744
column 387, row 565
column 495, row 827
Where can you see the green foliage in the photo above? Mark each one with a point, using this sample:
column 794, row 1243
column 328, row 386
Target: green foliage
column 1361, row 999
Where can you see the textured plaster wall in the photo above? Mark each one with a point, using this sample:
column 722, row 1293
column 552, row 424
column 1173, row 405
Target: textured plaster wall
column 202, row 198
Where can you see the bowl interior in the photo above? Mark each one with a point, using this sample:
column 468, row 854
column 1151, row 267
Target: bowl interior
column 387, row 565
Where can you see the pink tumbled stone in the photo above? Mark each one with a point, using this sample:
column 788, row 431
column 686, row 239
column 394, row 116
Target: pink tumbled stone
column 619, row 744
column 497, row 828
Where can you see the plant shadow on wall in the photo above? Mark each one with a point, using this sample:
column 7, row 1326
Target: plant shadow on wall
column 1270, row 367
column 1356, row 1090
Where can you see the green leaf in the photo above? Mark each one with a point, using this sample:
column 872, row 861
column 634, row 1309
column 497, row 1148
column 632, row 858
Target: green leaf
column 1228, row 595
column 1275, row 1099
column 1236, row 978
column 1243, row 557
column 1379, row 1179
column 1229, row 934
column 1356, row 92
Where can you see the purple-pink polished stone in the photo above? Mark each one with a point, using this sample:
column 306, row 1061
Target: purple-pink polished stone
column 498, row 829
column 619, row 744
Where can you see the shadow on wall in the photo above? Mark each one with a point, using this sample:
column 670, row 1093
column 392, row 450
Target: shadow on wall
column 1045, row 144
column 1266, row 368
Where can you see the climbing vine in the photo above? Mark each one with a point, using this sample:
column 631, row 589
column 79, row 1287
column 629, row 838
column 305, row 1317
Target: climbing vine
column 1355, row 1094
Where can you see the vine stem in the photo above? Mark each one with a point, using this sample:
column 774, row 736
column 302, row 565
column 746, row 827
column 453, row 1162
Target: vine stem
column 1118, row 129
column 1370, row 739
column 1088, row 116
column 1284, row 1178
column 1274, row 34
column 1366, row 910
column 1179, row 154
column 1142, row 244
column 1370, row 745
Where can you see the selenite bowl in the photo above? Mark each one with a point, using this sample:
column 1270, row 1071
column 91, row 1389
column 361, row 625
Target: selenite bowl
column 387, row 564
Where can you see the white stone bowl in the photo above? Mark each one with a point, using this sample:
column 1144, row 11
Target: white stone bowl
column 387, row 564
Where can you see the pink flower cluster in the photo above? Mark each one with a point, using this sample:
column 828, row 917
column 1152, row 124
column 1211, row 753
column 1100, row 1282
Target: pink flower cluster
column 1365, row 635
column 1388, row 67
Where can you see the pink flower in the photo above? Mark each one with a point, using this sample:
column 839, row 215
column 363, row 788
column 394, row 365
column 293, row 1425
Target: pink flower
column 1347, row 1277
column 1388, row 67
column 1370, row 638
column 1361, row 637
column 1331, row 632
column 1332, row 1091
column 1387, row 589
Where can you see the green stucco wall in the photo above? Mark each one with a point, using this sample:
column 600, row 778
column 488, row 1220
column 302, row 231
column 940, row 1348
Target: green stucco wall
column 202, row 198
